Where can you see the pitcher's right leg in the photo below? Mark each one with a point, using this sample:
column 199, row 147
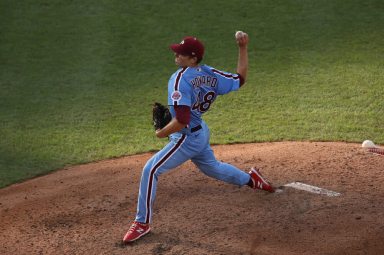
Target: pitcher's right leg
column 166, row 159
column 169, row 157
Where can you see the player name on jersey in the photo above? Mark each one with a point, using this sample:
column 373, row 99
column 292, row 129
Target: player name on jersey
column 204, row 81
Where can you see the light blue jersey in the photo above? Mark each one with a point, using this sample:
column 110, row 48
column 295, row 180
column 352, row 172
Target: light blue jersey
column 198, row 87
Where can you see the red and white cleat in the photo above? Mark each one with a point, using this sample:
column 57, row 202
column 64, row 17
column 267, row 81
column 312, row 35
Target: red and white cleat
column 136, row 231
column 259, row 182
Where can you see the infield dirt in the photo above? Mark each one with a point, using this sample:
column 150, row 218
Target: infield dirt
column 87, row 209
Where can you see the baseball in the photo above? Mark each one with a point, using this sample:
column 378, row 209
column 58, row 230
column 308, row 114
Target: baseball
column 368, row 144
column 239, row 34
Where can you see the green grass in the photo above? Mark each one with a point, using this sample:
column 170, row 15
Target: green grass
column 77, row 78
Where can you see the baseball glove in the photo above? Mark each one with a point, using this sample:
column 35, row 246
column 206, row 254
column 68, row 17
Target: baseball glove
column 160, row 115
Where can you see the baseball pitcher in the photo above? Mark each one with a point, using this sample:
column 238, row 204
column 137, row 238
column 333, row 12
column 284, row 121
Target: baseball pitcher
column 191, row 91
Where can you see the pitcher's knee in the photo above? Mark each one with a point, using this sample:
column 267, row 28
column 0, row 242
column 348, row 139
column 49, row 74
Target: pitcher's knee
column 210, row 169
column 151, row 170
column 147, row 169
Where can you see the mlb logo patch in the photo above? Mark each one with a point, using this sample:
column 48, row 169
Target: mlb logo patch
column 176, row 95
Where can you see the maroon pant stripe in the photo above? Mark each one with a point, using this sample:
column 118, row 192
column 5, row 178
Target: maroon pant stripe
column 154, row 169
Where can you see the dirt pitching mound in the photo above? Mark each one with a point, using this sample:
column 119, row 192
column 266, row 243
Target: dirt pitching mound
column 87, row 209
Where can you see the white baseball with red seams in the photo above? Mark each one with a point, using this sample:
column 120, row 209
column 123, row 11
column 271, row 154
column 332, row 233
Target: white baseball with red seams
column 239, row 34
column 368, row 144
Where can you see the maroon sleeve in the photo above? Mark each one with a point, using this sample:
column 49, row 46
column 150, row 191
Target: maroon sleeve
column 183, row 114
column 241, row 79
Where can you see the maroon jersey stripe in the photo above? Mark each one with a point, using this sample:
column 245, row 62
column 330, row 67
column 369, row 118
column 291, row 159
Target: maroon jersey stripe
column 235, row 77
column 177, row 82
column 153, row 171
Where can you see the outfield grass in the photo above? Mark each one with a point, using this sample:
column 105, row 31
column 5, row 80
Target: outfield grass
column 78, row 78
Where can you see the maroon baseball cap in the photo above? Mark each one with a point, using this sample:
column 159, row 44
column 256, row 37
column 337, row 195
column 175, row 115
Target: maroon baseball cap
column 189, row 46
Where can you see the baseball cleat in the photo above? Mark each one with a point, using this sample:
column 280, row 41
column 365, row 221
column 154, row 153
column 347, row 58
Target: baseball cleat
column 259, row 182
column 136, row 231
